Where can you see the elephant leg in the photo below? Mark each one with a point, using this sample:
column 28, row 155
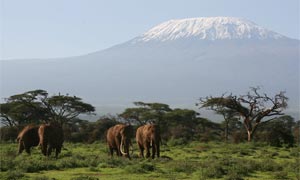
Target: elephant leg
column 111, row 150
column 118, row 151
column 21, row 147
column 49, row 150
column 44, row 147
column 27, row 149
column 57, row 151
column 127, row 151
column 142, row 151
column 148, row 150
column 158, row 150
column 153, row 151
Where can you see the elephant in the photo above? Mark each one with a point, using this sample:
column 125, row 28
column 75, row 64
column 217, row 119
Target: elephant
column 51, row 137
column 119, row 137
column 148, row 136
column 28, row 138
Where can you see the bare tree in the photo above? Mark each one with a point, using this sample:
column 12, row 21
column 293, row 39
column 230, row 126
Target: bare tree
column 253, row 107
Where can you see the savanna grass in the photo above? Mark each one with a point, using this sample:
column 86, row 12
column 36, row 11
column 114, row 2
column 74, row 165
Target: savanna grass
column 181, row 161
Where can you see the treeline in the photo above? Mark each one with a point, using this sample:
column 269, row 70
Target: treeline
column 178, row 126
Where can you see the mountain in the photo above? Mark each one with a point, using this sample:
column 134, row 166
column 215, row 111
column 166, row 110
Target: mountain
column 213, row 28
column 175, row 62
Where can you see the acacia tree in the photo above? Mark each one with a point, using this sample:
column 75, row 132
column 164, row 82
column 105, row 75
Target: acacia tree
column 24, row 108
column 227, row 113
column 145, row 113
column 253, row 107
column 181, row 123
column 63, row 108
column 36, row 106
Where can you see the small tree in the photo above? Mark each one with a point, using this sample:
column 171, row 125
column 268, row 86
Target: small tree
column 252, row 107
column 227, row 113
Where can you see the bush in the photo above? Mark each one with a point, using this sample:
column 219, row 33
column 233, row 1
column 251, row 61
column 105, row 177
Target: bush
column 177, row 142
column 115, row 162
column 14, row 175
column 233, row 175
column 295, row 152
column 8, row 133
column 6, row 164
column 187, row 167
column 32, row 164
column 43, row 178
column 269, row 165
column 141, row 168
column 212, row 169
column 84, row 177
column 280, row 175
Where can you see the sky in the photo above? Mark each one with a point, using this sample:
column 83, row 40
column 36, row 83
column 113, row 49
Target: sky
column 62, row 28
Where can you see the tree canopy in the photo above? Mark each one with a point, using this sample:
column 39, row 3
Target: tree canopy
column 145, row 113
column 252, row 107
column 37, row 106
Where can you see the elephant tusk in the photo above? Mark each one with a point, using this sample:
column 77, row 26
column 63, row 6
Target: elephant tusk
column 121, row 149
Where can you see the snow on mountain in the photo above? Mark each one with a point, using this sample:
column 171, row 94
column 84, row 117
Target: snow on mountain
column 210, row 28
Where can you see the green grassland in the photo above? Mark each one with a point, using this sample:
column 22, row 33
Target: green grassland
column 195, row 160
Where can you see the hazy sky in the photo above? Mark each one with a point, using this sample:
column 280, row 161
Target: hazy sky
column 57, row 28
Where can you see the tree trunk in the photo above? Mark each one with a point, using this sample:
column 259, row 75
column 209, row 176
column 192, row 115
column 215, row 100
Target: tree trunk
column 249, row 135
column 226, row 131
column 248, row 126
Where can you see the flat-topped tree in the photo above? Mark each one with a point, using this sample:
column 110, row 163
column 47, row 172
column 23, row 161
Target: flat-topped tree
column 35, row 106
column 25, row 108
column 145, row 113
column 254, row 107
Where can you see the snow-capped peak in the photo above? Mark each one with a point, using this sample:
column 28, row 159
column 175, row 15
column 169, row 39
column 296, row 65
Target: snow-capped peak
column 207, row 28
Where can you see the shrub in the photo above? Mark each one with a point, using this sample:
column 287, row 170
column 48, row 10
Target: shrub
column 177, row 142
column 269, row 165
column 6, row 164
column 233, row 175
column 14, row 175
column 244, row 166
column 32, row 164
column 84, row 177
column 280, row 175
column 113, row 162
column 183, row 166
column 43, row 178
column 294, row 168
column 295, row 152
column 141, row 168
column 212, row 169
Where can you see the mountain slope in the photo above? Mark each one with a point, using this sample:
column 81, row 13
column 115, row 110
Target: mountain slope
column 174, row 68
